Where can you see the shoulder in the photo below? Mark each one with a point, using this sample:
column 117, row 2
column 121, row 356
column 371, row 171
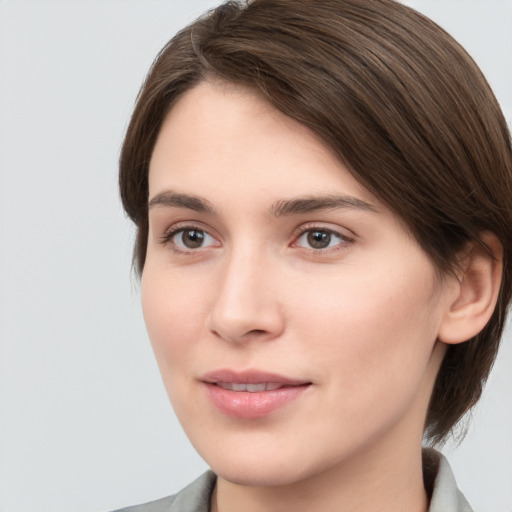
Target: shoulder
column 193, row 498
column 445, row 495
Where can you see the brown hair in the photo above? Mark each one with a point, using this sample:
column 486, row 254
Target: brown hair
column 399, row 101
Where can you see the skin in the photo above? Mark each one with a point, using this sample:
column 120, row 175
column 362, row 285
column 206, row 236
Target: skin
column 359, row 319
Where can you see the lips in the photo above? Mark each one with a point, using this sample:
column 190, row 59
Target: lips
column 251, row 394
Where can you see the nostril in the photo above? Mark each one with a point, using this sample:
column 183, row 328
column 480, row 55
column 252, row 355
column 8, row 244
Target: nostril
column 255, row 332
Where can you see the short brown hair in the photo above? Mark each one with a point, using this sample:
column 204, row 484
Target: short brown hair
column 399, row 101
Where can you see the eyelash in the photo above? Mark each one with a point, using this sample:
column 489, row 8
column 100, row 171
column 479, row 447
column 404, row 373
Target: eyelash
column 344, row 240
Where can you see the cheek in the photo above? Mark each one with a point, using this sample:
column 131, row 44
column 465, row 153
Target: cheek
column 374, row 333
column 173, row 308
column 370, row 304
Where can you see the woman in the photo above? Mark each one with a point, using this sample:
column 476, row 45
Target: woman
column 322, row 198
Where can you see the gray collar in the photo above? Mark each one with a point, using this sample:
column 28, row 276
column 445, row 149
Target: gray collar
column 446, row 495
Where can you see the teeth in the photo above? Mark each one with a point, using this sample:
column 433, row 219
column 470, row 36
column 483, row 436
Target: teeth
column 270, row 386
column 254, row 388
column 238, row 387
column 251, row 388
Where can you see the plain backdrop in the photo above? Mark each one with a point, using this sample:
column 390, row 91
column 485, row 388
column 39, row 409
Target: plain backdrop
column 85, row 424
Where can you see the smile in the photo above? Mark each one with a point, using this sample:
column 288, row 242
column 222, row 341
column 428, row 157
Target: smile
column 251, row 394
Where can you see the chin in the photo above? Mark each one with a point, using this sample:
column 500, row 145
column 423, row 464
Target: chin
column 263, row 475
column 266, row 465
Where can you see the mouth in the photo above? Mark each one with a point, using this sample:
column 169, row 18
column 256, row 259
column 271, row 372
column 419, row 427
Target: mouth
column 249, row 388
column 251, row 394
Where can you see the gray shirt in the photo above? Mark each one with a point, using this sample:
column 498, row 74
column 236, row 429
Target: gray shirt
column 439, row 479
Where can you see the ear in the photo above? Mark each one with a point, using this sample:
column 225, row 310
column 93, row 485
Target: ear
column 476, row 292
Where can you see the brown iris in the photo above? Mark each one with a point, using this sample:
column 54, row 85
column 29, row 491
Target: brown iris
column 192, row 238
column 319, row 239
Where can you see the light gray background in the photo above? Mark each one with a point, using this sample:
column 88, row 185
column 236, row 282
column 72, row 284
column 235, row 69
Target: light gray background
column 84, row 421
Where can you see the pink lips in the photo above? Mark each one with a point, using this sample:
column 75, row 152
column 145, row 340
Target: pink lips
column 251, row 394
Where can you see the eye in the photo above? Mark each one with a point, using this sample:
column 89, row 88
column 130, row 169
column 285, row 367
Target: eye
column 191, row 238
column 319, row 239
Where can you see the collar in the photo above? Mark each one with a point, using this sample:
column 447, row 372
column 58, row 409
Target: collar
column 445, row 493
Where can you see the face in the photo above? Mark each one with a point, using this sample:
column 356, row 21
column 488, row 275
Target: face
column 293, row 318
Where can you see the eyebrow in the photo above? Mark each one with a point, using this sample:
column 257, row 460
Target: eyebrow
column 171, row 199
column 280, row 208
column 314, row 203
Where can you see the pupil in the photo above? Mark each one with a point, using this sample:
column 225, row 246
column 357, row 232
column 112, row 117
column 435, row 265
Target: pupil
column 319, row 239
column 193, row 238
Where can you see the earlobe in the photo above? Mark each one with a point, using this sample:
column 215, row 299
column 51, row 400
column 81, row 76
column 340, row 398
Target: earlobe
column 476, row 293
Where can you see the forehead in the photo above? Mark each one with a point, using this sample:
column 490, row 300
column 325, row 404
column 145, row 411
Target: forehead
column 221, row 137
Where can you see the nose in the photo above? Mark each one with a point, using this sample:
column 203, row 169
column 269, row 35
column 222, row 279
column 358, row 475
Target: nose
column 247, row 305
